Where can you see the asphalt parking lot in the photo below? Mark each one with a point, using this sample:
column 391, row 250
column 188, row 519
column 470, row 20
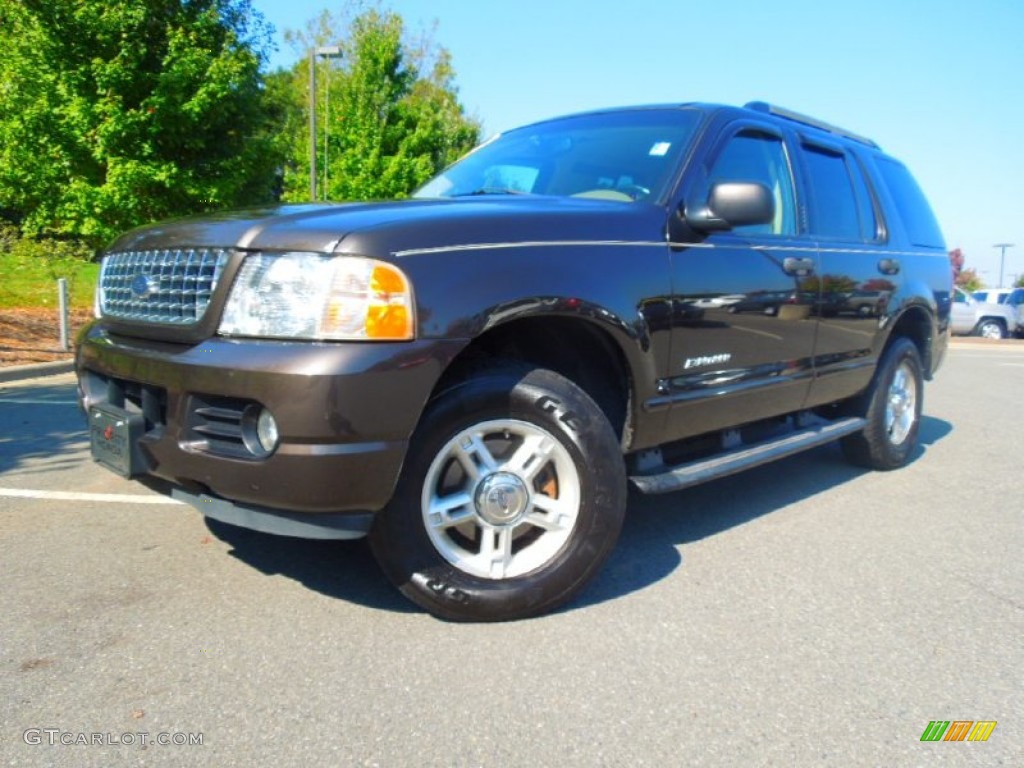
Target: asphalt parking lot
column 802, row 614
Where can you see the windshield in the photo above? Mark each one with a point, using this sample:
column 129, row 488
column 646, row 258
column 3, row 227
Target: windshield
column 626, row 156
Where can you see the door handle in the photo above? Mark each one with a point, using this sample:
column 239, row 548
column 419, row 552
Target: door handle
column 889, row 267
column 798, row 267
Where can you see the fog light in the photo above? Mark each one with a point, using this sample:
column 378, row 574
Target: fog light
column 266, row 430
column 259, row 431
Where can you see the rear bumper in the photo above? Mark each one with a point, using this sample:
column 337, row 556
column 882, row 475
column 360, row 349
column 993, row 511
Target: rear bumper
column 345, row 413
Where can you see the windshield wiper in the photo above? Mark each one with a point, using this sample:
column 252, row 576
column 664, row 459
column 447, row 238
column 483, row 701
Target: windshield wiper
column 491, row 191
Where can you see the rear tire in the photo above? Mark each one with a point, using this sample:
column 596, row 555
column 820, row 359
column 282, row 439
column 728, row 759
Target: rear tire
column 512, row 496
column 892, row 407
column 990, row 329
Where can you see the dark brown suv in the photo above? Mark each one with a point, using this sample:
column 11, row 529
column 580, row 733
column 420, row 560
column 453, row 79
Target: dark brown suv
column 473, row 376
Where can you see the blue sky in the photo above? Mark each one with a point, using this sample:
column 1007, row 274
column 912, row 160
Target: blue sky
column 937, row 83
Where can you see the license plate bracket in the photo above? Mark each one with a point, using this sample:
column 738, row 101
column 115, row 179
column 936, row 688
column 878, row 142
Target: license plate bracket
column 114, row 435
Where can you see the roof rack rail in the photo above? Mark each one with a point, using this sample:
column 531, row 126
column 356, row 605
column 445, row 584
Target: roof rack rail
column 788, row 114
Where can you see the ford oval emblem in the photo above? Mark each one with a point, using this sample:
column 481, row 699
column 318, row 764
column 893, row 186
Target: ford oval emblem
column 144, row 285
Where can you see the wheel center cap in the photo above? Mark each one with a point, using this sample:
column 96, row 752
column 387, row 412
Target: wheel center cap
column 501, row 498
column 898, row 401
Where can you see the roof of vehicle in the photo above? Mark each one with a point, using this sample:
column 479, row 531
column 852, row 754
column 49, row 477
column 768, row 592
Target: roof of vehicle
column 787, row 114
column 761, row 107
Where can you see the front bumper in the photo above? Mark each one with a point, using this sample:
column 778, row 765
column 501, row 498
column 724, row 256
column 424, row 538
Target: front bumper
column 345, row 412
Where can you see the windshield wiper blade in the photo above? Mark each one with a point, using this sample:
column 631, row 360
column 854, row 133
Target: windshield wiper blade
column 491, row 191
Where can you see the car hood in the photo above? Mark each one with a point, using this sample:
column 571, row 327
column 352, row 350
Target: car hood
column 406, row 227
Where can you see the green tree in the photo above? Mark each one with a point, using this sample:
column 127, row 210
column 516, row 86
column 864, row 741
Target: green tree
column 388, row 110
column 969, row 280
column 115, row 114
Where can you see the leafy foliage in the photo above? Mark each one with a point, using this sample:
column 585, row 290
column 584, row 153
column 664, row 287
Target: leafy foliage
column 114, row 114
column 117, row 114
column 388, row 110
column 969, row 280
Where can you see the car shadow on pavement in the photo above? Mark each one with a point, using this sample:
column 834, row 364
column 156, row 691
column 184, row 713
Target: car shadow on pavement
column 656, row 526
column 40, row 429
column 341, row 569
column 648, row 549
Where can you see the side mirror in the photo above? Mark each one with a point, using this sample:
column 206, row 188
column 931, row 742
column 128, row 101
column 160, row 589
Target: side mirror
column 732, row 204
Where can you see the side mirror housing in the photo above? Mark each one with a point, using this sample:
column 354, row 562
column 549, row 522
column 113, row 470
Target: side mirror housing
column 732, row 204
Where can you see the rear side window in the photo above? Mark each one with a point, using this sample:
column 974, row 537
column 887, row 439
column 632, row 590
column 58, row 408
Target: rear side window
column 913, row 208
column 839, row 202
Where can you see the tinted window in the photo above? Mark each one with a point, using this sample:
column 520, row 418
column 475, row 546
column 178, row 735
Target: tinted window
column 833, row 199
column 913, row 208
column 755, row 156
column 994, row 297
column 869, row 229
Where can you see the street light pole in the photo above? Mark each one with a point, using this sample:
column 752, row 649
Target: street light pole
column 1002, row 258
column 327, row 51
column 312, row 124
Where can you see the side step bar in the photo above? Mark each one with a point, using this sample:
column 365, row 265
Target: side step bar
column 739, row 459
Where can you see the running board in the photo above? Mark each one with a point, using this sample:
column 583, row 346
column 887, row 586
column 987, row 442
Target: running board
column 739, row 459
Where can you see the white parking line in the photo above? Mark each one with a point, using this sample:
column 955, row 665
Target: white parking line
column 123, row 498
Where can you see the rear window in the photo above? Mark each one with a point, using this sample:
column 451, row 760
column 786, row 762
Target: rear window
column 913, row 208
column 993, row 297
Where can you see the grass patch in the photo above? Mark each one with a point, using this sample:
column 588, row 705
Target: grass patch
column 26, row 283
column 30, row 268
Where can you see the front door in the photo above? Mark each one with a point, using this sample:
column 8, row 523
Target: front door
column 743, row 326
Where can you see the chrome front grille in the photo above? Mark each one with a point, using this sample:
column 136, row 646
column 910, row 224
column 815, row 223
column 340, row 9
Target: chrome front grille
column 170, row 287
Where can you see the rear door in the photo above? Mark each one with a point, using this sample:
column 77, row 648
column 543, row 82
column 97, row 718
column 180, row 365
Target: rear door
column 859, row 274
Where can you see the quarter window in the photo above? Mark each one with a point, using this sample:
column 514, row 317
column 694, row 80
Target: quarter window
column 917, row 216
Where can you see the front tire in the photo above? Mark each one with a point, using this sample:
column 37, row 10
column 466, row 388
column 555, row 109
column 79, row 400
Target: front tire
column 512, row 496
column 892, row 407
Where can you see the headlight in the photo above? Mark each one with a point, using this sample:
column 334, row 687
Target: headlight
column 313, row 296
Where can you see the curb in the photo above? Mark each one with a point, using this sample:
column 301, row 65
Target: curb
column 35, row 370
column 975, row 341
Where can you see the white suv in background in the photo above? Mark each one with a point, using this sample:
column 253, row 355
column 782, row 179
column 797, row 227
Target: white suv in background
column 976, row 318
